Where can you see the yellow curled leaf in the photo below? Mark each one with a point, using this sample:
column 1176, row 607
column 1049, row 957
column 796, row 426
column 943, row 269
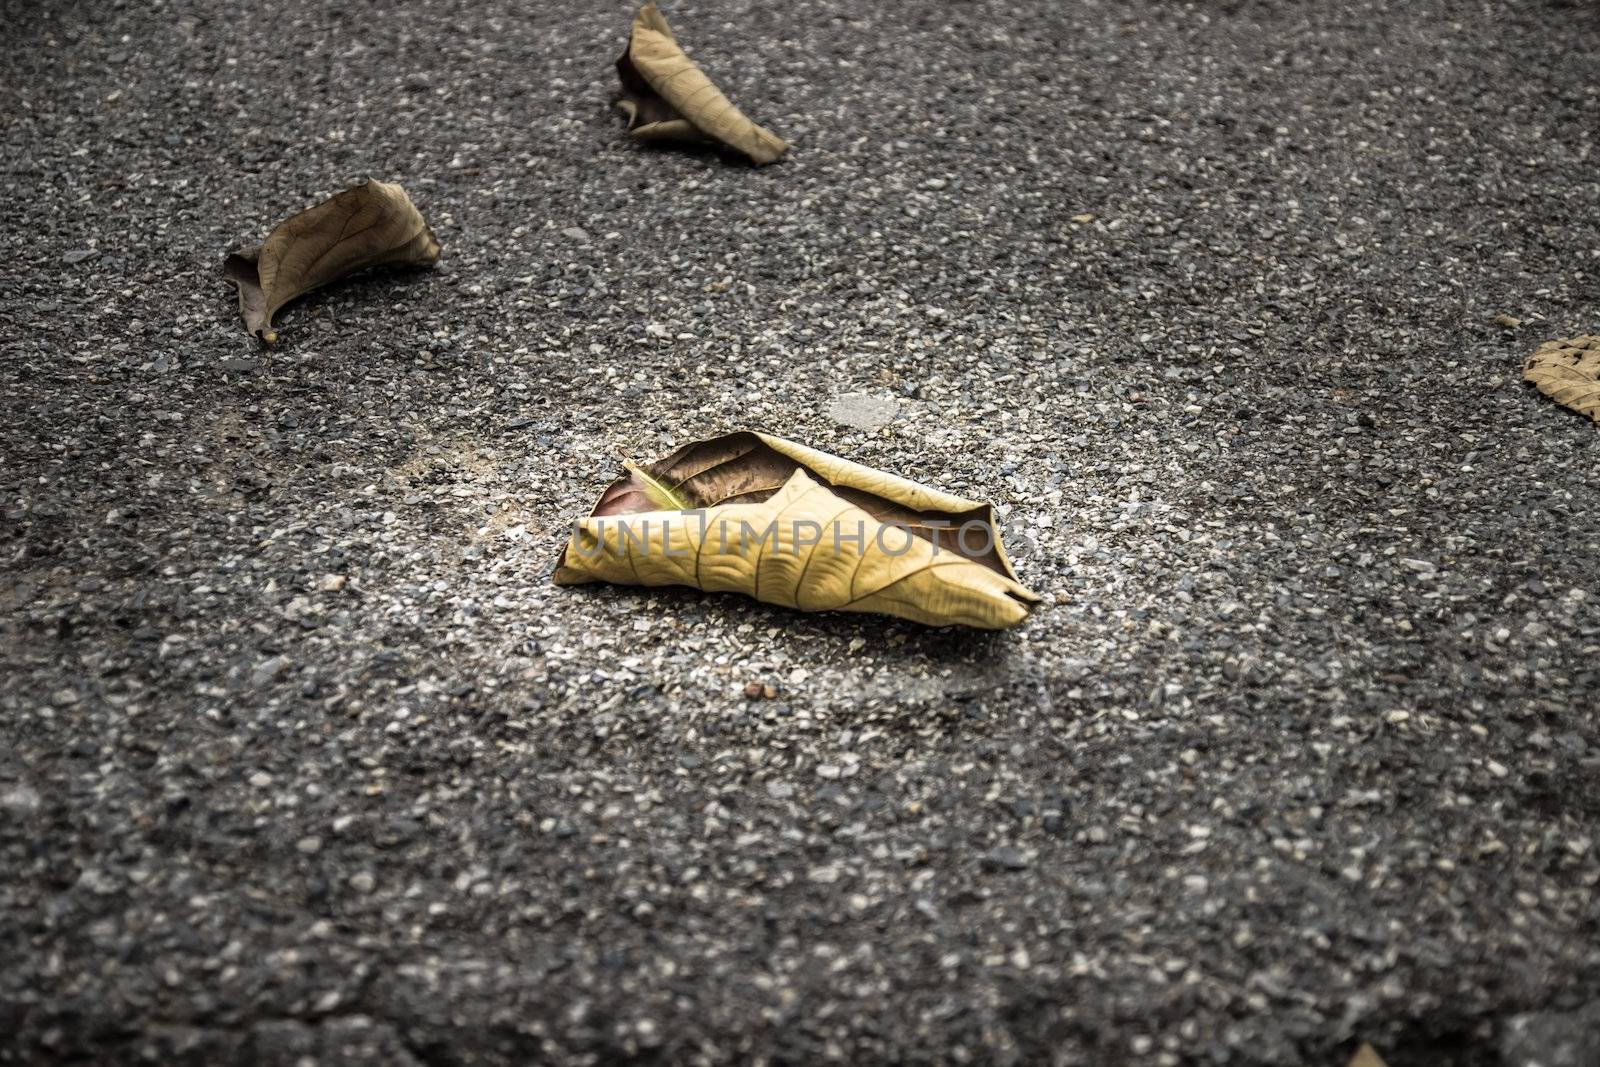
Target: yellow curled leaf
column 373, row 224
column 668, row 98
column 789, row 525
column 1569, row 373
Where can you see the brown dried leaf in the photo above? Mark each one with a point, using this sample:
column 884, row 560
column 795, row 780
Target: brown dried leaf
column 1366, row 1056
column 727, row 514
column 373, row 224
column 668, row 98
column 1568, row 372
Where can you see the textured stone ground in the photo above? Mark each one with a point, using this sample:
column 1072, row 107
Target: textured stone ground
column 304, row 756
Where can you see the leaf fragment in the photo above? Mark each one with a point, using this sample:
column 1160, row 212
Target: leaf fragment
column 1366, row 1056
column 667, row 97
column 371, row 224
column 1568, row 371
column 792, row 526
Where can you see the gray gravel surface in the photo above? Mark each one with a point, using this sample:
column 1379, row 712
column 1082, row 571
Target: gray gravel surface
column 305, row 759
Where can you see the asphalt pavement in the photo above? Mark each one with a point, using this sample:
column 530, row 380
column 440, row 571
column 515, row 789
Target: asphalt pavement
column 303, row 758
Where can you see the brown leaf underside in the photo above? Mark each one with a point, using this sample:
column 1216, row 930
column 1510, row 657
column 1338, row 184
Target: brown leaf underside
column 644, row 105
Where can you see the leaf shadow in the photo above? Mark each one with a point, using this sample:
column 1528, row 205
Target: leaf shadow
column 892, row 639
column 706, row 152
column 355, row 291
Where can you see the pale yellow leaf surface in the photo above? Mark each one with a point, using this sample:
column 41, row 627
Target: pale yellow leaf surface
column 372, row 224
column 667, row 97
column 803, row 529
column 1568, row 372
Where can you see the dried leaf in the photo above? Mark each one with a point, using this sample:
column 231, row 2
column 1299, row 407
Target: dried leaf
column 1366, row 1056
column 373, row 224
column 668, row 98
column 1569, row 373
column 789, row 525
